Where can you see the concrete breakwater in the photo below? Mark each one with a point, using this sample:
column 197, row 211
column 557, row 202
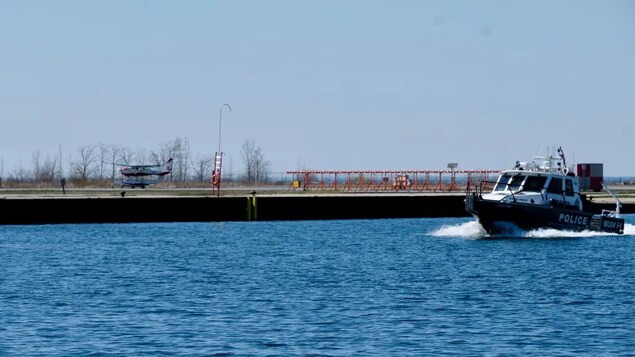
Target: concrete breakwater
column 235, row 208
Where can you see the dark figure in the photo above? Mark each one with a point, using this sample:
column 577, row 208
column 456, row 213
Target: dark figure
column 63, row 183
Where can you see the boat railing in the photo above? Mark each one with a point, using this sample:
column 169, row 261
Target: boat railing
column 488, row 187
column 610, row 213
column 618, row 203
column 483, row 186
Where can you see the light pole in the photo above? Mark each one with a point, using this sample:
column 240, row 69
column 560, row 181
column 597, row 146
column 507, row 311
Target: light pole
column 220, row 121
column 218, row 160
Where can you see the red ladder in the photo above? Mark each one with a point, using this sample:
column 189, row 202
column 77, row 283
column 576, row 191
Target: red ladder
column 218, row 163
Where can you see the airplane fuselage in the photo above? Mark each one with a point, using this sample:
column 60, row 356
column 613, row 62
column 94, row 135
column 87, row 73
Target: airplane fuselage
column 132, row 172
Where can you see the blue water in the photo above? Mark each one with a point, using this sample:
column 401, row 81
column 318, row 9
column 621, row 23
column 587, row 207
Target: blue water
column 337, row 288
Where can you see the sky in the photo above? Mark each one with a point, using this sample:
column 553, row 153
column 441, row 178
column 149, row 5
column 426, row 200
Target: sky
column 324, row 85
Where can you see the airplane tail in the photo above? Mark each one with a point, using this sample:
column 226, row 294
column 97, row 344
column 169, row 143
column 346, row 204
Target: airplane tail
column 168, row 165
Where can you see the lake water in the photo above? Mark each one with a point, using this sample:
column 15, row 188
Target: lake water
column 358, row 287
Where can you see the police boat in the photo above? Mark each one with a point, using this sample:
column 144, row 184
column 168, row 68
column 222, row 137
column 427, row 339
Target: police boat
column 543, row 193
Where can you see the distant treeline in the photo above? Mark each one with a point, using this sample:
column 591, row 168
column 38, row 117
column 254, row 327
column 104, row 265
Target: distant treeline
column 98, row 165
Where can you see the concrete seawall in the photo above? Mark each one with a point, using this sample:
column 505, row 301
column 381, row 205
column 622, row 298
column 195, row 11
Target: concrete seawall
column 234, row 208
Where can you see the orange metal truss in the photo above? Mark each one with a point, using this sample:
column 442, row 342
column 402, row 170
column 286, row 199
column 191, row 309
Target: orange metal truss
column 387, row 180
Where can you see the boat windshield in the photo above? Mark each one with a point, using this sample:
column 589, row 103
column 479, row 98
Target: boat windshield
column 502, row 183
column 535, row 183
column 516, row 182
column 555, row 185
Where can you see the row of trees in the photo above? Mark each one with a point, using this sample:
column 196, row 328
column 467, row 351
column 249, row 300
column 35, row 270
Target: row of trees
column 100, row 163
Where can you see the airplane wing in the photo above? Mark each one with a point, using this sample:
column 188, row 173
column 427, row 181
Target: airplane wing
column 142, row 166
column 131, row 165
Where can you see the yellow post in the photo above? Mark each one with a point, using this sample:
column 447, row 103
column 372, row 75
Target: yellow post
column 248, row 208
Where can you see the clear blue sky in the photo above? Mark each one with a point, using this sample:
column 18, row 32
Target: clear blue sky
column 323, row 84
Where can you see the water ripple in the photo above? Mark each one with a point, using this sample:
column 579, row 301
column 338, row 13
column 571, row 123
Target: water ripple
column 336, row 288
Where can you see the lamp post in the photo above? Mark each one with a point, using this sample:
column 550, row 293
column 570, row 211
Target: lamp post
column 220, row 121
column 218, row 160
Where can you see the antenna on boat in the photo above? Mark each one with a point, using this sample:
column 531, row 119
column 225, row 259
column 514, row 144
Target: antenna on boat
column 561, row 153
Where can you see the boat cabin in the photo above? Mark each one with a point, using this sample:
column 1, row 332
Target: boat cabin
column 540, row 185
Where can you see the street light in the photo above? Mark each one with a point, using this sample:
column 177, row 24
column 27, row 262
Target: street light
column 218, row 160
column 220, row 120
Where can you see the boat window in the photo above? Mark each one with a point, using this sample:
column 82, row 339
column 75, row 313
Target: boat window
column 535, row 183
column 568, row 187
column 555, row 186
column 502, row 183
column 516, row 181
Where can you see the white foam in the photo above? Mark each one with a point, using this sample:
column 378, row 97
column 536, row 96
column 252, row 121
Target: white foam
column 474, row 230
column 470, row 229
column 556, row 233
column 629, row 229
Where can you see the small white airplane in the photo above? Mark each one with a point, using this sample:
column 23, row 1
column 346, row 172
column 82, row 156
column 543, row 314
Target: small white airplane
column 147, row 170
column 144, row 175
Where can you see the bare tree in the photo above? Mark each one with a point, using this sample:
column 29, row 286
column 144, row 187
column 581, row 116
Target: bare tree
column 48, row 170
column 35, row 160
column 141, row 155
column 125, row 155
column 20, row 174
column 166, row 150
column 44, row 169
column 184, row 157
column 114, row 154
column 202, row 168
column 256, row 166
column 61, row 172
column 179, row 150
column 262, row 167
column 84, row 167
column 103, row 154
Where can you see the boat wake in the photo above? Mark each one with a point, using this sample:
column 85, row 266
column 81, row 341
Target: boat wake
column 470, row 229
column 555, row 233
column 629, row 230
column 473, row 230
